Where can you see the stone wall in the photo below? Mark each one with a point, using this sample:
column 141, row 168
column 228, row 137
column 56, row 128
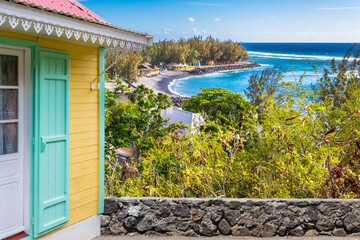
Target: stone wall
column 238, row 217
column 219, row 68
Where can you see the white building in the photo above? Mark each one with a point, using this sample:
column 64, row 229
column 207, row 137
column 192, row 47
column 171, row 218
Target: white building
column 174, row 115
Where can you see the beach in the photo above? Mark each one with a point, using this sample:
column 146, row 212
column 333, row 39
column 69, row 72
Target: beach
column 161, row 82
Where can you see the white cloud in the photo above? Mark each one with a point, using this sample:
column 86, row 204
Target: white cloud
column 217, row 20
column 191, row 19
column 338, row 8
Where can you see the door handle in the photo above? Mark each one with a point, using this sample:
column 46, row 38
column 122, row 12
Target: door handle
column 42, row 145
column 45, row 140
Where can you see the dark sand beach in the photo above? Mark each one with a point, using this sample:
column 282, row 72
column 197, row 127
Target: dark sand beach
column 161, row 82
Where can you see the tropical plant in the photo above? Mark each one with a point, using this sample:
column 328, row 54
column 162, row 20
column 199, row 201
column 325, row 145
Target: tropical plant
column 129, row 123
column 223, row 107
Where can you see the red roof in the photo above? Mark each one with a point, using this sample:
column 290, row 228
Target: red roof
column 67, row 7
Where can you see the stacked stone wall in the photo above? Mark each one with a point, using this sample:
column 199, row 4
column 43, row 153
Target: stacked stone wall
column 221, row 68
column 237, row 217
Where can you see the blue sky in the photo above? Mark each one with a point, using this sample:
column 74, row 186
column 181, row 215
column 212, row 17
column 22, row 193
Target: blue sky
column 238, row 20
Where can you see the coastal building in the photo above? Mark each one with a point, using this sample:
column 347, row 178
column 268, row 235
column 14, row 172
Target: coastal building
column 172, row 66
column 197, row 63
column 193, row 120
column 147, row 70
column 52, row 56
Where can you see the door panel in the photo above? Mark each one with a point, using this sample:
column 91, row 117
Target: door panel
column 52, row 173
column 11, row 142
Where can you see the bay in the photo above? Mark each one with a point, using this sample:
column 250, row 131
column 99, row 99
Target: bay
column 297, row 58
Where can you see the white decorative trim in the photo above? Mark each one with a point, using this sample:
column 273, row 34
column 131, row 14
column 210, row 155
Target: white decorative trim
column 77, row 35
column 14, row 22
column 59, row 31
column 116, row 42
column 85, row 36
column 38, row 27
column 93, row 38
column 26, row 24
column 108, row 41
column 34, row 21
column 101, row 39
column 69, row 33
column 2, row 19
column 49, row 29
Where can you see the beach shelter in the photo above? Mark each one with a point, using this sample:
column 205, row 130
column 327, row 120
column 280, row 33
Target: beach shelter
column 197, row 63
column 146, row 69
column 52, row 57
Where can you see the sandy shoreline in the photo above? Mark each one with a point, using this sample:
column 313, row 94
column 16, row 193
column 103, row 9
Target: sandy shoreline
column 161, row 82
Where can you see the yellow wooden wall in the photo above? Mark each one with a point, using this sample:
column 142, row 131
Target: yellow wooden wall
column 84, row 125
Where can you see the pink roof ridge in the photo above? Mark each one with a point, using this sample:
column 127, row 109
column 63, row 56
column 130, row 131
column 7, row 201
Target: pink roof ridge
column 67, row 7
column 71, row 8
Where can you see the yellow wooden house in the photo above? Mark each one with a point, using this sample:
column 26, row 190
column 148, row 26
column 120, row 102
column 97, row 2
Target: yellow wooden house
column 52, row 56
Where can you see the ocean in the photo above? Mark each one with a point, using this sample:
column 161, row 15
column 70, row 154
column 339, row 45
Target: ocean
column 297, row 58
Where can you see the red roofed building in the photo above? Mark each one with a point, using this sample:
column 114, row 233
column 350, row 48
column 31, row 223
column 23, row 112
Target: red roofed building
column 52, row 110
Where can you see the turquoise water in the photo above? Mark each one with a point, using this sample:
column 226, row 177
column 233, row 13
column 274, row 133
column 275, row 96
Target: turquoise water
column 299, row 57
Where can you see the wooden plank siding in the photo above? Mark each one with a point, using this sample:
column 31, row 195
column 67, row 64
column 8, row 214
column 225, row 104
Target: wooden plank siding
column 84, row 125
column 84, row 128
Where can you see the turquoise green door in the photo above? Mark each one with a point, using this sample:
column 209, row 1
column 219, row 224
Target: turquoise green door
column 51, row 168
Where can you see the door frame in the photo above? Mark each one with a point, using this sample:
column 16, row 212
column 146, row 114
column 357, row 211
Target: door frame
column 29, row 47
column 25, row 111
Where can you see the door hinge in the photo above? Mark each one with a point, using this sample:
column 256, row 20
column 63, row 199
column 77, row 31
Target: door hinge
column 33, row 141
column 32, row 220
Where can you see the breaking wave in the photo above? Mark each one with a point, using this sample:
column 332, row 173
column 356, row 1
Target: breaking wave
column 293, row 56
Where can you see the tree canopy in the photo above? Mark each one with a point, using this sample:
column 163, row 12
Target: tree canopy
column 187, row 51
column 129, row 123
column 126, row 68
column 222, row 106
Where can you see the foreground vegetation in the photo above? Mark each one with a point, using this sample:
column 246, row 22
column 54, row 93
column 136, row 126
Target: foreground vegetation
column 285, row 141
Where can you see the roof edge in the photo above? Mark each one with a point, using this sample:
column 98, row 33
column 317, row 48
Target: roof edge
column 19, row 18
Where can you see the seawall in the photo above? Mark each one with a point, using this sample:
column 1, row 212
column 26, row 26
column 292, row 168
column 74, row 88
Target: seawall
column 220, row 68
